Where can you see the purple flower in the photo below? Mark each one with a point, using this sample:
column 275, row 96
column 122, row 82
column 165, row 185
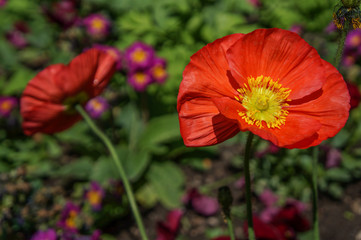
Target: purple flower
column 331, row 27
column 268, row 198
column 97, row 25
column 2, row 3
column 69, row 217
column 139, row 80
column 95, row 195
column 63, row 12
column 296, row 28
column 353, row 39
column 49, row 234
column 168, row 230
column 112, row 51
column 16, row 36
column 7, row 104
column 139, row 56
column 349, row 57
column 200, row 203
column 158, row 71
column 96, row 106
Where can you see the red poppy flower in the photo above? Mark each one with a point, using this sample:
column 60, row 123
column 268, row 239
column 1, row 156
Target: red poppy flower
column 270, row 82
column 47, row 103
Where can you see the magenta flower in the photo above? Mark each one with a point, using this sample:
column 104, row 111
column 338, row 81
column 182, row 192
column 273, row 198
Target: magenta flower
column 349, row 57
column 296, row 28
column 168, row 230
column 139, row 80
column 2, row 3
column 97, row 25
column 158, row 70
column 7, row 104
column 268, row 198
column 96, row 106
column 139, row 56
column 353, row 39
column 69, row 219
column 94, row 195
column 202, row 204
column 49, row 234
column 63, row 12
column 331, row 28
column 16, row 36
column 112, row 51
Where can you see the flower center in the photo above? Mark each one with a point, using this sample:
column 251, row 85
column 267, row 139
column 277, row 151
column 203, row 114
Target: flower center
column 94, row 197
column 138, row 55
column 264, row 101
column 140, row 77
column 6, row 105
column 97, row 24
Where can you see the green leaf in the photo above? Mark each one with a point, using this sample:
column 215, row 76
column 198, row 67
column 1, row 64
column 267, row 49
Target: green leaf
column 146, row 196
column 103, row 170
column 167, row 180
column 134, row 162
column 160, row 130
column 338, row 174
column 80, row 169
column 18, row 81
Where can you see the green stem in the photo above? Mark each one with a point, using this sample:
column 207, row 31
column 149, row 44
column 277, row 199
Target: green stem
column 118, row 164
column 247, row 156
column 230, row 228
column 341, row 45
column 316, row 233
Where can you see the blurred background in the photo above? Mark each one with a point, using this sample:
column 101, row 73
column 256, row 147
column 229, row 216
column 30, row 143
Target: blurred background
column 64, row 186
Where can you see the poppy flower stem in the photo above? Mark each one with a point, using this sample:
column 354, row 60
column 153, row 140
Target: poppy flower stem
column 341, row 45
column 247, row 156
column 316, row 234
column 117, row 162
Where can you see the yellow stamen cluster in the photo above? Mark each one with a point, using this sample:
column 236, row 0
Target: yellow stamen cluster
column 139, row 55
column 264, row 101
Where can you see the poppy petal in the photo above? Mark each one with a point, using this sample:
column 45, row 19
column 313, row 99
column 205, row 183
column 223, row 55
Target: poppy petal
column 282, row 55
column 45, row 117
column 206, row 73
column 42, row 85
column 202, row 125
column 331, row 108
column 89, row 71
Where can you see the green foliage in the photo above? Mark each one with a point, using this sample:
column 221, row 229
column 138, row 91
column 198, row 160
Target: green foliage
column 167, row 180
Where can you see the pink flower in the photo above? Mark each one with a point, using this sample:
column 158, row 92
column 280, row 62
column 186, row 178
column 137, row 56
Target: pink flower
column 16, row 36
column 63, row 12
column 158, row 70
column 94, row 195
column 139, row 80
column 200, row 203
column 139, row 56
column 96, row 107
column 97, row 25
column 69, row 219
column 7, row 104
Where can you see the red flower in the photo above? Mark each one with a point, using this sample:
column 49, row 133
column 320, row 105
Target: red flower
column 168, row 229
column 47, row 103
column 355, row 94
column 269, row 82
